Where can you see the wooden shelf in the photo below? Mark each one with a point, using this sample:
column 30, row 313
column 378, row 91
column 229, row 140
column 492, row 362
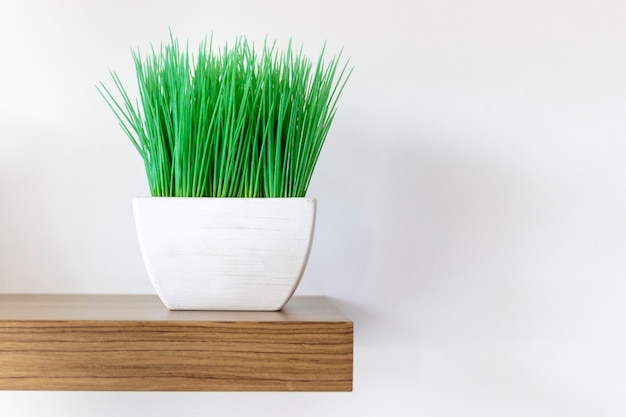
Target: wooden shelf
column 133, row 343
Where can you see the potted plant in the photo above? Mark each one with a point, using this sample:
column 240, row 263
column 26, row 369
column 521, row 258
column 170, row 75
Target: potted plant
column 229, row 139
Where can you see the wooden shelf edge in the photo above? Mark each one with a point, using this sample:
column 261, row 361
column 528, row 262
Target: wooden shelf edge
column 133, row 343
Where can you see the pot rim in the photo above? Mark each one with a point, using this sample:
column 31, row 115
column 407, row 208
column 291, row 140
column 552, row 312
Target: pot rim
column 227, row 198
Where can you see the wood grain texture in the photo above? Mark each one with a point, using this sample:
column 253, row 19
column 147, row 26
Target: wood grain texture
column 133, row 343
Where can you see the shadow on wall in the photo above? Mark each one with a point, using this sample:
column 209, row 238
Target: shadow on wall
column 27, row 249
column 67, row 211
column 432, row 238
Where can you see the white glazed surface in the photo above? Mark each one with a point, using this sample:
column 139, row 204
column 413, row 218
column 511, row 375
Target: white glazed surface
column 225, row 253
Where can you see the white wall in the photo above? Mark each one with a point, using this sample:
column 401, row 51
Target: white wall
column 472, row 207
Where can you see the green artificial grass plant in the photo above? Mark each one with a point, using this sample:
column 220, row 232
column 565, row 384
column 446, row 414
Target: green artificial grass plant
column 229, row 122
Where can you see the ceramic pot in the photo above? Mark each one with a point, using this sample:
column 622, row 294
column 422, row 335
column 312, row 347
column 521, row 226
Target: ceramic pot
column 225, row 253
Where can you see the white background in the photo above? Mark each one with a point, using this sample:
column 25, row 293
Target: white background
column 471, row 195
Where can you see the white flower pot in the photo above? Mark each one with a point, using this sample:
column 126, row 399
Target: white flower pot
column 225, row 253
